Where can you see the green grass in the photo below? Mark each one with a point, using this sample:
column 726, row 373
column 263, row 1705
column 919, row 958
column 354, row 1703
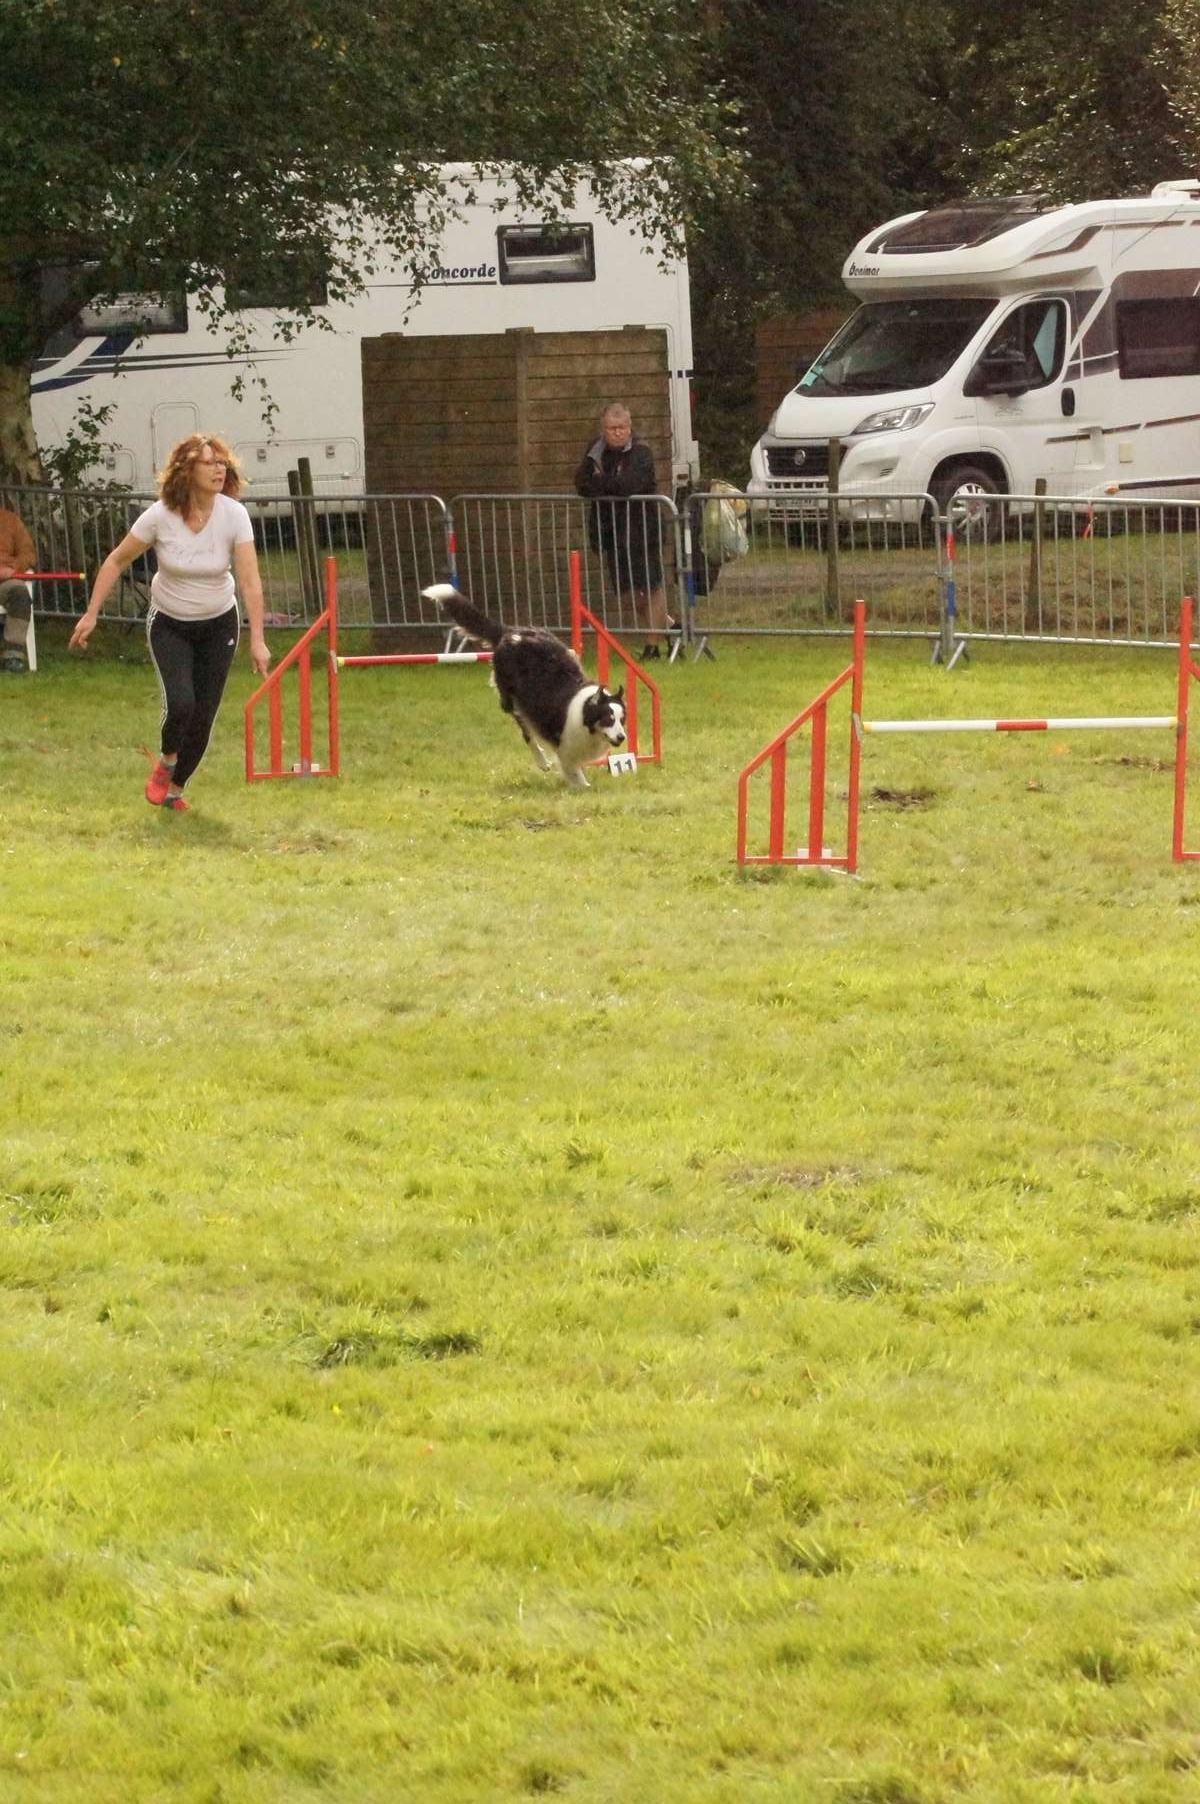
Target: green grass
column 498, row 1302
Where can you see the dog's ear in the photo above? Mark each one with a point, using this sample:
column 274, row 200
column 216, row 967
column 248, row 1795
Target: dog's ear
column 618, row 695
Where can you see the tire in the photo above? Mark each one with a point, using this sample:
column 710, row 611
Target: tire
column 959, row 486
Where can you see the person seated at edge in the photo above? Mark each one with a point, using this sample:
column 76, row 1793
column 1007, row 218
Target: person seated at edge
column 16, row 554
column 616, row 467
column 203, row 539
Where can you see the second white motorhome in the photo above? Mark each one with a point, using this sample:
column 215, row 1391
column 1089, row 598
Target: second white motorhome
column 155, row 362
column 1002, row 341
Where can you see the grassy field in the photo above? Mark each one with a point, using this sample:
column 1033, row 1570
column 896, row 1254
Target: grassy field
column 498, row 1302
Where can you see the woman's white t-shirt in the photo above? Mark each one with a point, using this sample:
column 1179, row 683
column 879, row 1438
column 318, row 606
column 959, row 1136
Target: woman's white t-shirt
column 193, row 580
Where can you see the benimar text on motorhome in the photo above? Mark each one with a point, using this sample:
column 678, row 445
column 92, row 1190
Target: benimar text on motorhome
column 154, row 360
column 999, row 341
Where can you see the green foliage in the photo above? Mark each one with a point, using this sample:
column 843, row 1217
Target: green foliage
column 67, row 464
column 497, row 1303
column 1178, row 64
column 1072, row 99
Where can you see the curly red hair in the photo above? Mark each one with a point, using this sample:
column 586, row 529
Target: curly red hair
column 175, row 481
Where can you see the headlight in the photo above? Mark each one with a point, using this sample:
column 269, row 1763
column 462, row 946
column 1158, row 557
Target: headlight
column 895, row 419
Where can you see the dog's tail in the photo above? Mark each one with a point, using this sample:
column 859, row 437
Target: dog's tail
column 466, row 616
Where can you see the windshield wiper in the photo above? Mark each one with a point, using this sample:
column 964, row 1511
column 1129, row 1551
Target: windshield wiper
column 867, row 385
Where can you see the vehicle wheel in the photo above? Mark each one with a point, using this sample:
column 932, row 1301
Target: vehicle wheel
column 961, row 493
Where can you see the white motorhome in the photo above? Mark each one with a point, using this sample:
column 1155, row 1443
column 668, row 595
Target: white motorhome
column 999, row 341
column 165, row 373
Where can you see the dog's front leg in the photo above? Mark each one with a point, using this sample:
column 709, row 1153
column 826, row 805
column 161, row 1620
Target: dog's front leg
column 535, row 746
column 574, row 775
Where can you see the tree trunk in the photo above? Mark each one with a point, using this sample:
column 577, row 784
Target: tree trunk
column 19, row 460
column 21, row 335
column 20, row 464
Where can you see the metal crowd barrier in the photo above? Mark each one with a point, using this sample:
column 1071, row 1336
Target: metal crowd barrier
column 1106, row 570
column 1096, row 570
column 1103, row 570
column 75, row 529
column 389, row 547
column 513, row 556
column 511, row 552
column 804, row 563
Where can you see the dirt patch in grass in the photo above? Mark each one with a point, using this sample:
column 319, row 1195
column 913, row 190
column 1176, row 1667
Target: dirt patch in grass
column 796, row 1177
column 904, row 798
column 1158, row 765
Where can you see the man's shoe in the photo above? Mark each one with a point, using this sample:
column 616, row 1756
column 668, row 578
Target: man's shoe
column 13, row 664
column 160, row 782
column 649, row 653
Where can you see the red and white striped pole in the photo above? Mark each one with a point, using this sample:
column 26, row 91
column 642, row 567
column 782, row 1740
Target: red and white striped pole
column 47, row 576
column 414, row 657
column 1018, row 726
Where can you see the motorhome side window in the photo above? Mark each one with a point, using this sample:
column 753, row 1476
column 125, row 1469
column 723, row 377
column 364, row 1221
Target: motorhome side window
column 288, row 281
column 546, row 253
column 123, row 317
column 1026, row 348
column 140, row 315
column 1158, row 338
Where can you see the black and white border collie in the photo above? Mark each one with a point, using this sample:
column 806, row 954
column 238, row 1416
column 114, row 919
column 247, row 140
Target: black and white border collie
column 540, row 683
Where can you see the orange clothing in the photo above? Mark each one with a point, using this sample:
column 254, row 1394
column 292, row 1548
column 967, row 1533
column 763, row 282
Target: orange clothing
column 16, row 546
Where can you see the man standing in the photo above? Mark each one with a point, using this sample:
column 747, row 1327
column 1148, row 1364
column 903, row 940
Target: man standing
column 16, row 553
column 626, row 532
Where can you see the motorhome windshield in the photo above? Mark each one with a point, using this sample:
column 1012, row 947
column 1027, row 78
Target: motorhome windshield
column 888, row 346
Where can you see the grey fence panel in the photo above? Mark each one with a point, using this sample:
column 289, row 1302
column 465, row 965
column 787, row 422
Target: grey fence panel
column 409, row 547
column 1104, row 570
column 804, row 564
column 388, row 548
column 513, row 557
column 75, row 529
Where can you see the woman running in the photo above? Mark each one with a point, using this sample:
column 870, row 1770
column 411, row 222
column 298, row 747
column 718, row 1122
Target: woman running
column 202, row 539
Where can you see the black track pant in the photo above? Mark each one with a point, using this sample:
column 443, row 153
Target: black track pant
column 192, row 658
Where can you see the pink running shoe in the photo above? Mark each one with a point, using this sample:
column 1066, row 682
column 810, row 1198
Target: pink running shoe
column 159, row 783
column 175, row 803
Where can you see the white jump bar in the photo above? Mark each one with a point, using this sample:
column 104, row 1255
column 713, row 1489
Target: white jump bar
column 1018, row 726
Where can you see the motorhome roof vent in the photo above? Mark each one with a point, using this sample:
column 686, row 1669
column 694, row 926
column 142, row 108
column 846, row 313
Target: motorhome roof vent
column 960, row 224
column 1187, row 189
